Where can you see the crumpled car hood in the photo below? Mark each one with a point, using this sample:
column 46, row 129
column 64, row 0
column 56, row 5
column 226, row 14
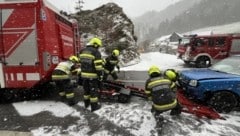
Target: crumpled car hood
column 200, row 74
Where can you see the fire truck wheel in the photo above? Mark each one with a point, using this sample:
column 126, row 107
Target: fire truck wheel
column 123, row 98
column 203, row 62
column 187, row 62
column 8, row 95
column 223, row 101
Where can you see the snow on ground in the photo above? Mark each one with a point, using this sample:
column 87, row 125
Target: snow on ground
column 135, row 116
column 50, row 106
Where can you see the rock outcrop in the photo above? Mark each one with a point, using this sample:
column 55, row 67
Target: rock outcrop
column 111, row 24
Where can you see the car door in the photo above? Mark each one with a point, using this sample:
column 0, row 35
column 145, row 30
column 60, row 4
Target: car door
column 218, row 48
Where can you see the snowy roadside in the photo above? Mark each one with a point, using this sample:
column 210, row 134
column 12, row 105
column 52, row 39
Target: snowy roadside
column 134, row 117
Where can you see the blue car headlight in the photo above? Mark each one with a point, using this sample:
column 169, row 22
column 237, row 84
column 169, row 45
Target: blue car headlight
column 193, row 83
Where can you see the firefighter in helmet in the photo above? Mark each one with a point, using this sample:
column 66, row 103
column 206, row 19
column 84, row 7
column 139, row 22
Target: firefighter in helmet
column 172, row 75
column 110, row 63
column 62, row 76
column 160, row 91
column 91, row 72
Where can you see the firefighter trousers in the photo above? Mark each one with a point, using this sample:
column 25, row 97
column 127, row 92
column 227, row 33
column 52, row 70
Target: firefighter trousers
column 112, row 73
column 91, row 95
column 65, row 90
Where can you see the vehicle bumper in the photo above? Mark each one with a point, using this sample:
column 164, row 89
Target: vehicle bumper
column 191, row 91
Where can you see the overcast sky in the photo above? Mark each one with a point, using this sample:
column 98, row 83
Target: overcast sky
column 132, row 8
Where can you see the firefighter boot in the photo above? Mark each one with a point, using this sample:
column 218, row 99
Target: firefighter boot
column 86, row 103
column 71, row 102
column 62, row 96
column 95, row 106
column 177, row 110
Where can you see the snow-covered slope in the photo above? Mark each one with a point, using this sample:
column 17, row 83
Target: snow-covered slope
column 222, row 29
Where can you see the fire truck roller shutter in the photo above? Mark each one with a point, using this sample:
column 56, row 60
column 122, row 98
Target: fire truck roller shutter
column 19, row 37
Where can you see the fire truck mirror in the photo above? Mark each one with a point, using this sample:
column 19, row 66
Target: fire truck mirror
column 179, row 41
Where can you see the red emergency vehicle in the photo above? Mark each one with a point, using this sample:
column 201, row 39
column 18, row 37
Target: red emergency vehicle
column 203, row 50
column 34, row 38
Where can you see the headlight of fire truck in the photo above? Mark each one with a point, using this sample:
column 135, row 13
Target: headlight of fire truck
column 193, row 83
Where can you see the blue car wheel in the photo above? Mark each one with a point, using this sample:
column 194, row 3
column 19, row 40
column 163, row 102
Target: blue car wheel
column 223, row 101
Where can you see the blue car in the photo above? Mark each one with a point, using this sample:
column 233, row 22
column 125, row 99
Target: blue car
column 217, row 86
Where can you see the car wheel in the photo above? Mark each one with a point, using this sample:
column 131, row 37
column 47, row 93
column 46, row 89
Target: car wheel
column 8, row 95
column 203, row 62
column 187, row 62
column 223, row 101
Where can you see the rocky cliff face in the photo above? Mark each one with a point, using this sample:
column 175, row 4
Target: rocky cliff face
column 110, row 24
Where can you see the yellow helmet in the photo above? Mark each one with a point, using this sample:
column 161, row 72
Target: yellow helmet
column 153, row 69
column 74, row 59
column 171, row 74
column 115, row 52
column 96, row 42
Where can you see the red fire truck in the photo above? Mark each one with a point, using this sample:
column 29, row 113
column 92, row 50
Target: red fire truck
column 34, row 38
column 203, row 50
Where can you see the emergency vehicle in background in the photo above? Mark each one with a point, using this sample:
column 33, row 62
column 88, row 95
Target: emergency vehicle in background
column 204, row 50
column 34, row 38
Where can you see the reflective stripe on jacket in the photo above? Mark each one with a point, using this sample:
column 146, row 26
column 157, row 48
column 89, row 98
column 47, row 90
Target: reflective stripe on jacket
column 91, row 62
column 62, row 71
column 160, row 91
column 111, row 63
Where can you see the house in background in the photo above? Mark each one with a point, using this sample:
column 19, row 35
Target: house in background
column 174, row 37
column 168, row 43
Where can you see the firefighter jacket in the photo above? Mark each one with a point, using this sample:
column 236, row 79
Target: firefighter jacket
column 63, row 71
column 91, row 63
column 110, row 63
column 161, row 91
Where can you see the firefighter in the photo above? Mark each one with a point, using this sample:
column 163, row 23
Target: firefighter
column 62, row 76
column 91, row 72
column 160, row 91
column 110, row 63
column 172, row 75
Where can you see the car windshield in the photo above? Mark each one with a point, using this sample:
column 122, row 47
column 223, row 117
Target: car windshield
column 185, row 41
column 229, row 65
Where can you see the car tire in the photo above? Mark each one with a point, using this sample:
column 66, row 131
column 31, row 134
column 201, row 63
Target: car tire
column 187, row 62
column 8, row 95
column 203, row 62
column 223, row 101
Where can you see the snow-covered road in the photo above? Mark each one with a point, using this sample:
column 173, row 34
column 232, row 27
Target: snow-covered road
column 133, row 118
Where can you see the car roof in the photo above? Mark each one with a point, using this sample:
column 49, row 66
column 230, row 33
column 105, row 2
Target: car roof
column 236, row 55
